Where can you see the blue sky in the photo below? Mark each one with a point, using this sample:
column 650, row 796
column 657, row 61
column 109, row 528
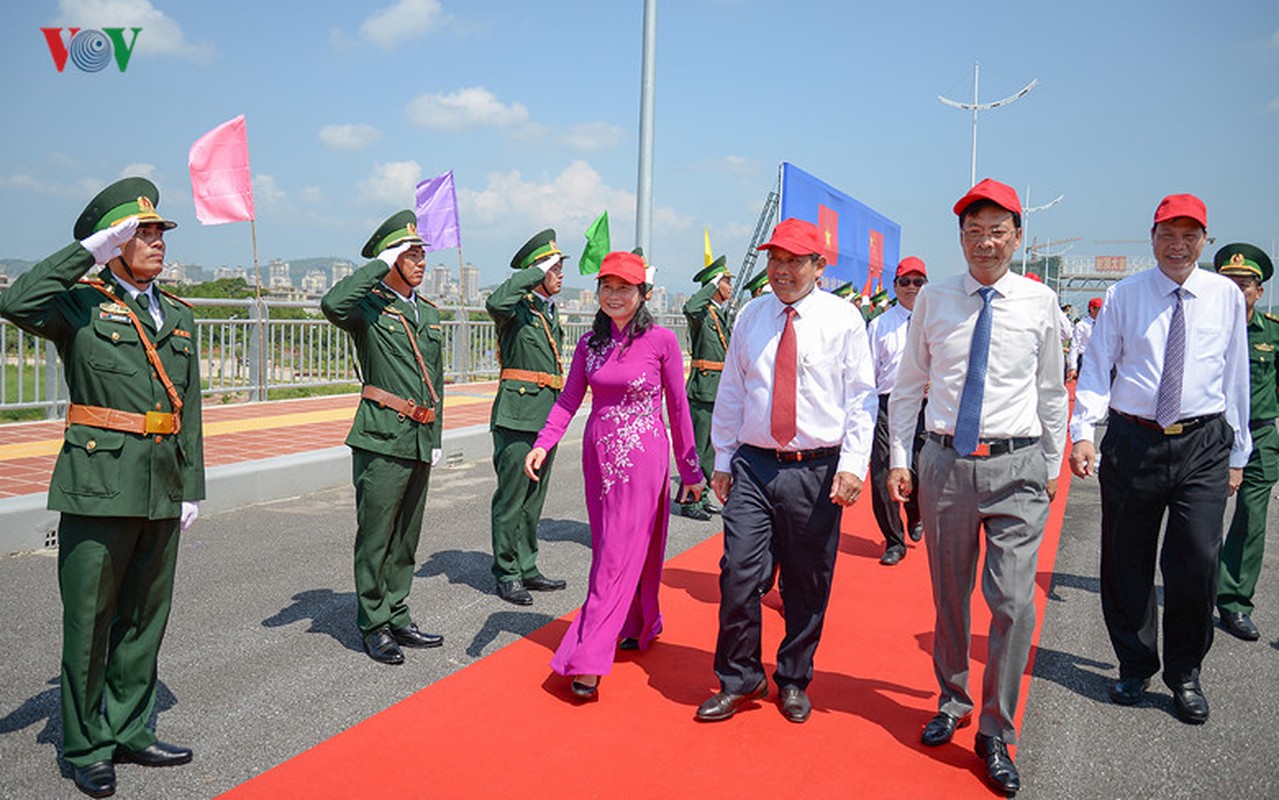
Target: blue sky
column 535, row 106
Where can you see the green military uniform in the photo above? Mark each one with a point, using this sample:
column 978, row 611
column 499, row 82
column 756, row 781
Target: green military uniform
column 120, row 478
column 529, row 341
column 400, row 349
column 708, row 331
column 1241, row 553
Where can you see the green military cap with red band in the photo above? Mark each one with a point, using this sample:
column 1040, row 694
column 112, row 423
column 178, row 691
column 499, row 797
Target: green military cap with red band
column 127, row 198
column 1240, row 258
column 399, row 228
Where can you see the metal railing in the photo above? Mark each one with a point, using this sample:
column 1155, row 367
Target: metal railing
column 250, row 354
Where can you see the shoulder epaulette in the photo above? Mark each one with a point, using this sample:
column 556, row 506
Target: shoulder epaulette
column 173, row 297
column 1271, row 317
column 93, row 281
column 428, row 301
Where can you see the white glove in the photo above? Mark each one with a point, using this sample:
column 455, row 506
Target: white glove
column 105, row 244
column 390, row 254
column 546, row 264
column 190, row 513
column 435, row 456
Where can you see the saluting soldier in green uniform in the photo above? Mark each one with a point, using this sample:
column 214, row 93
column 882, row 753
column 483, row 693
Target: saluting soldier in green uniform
column 129, row 474
column 708, row 331
column 1241, row 552
column 395, row 438
column 529, row 340
column 758, row 285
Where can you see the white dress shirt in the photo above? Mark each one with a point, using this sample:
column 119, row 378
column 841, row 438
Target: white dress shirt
column 1131, row 333
column 1079, row 341
column 835, row 403
column 411, row 300
column 887, row 334
column 1025, row 395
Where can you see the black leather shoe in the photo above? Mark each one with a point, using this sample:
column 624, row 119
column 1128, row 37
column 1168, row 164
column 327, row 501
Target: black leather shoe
column 586, row 691
column 541, row 583
column 1000, row 768
column 514, row 592
column 381, row 646
column 629, row 643
column 892, row 555
column 1189, row 702
column 710, row 505
column 917, row 531
column 694, row 511
column 723, row 705
column 1237, row 623
column 941, row 728
column 410, row 636
column 1128, row 691
column 794, row 703
column 157, row 755
column 96, row 779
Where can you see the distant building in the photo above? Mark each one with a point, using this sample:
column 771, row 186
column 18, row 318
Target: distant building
column 658, row 304
column 439, row 280
column 470, row 283
column 173, row 274
column 341, row 269
column 279, row 275
column 315, row 282
column 230, row 273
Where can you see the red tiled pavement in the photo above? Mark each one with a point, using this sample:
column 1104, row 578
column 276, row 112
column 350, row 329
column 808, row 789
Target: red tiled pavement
column 233, row 433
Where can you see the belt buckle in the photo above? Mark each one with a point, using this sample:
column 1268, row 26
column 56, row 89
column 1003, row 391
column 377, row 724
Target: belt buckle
column 421, row 414
column 159, row 422
column 982, row 451
column 1174, row 429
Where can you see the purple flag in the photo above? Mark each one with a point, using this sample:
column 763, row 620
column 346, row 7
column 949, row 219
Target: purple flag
column 437, row 213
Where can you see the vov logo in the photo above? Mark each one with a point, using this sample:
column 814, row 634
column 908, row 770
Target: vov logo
column 90, row 49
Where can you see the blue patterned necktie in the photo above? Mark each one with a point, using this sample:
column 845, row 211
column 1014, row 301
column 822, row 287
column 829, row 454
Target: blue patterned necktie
column 968, row 420
column 1168, row 401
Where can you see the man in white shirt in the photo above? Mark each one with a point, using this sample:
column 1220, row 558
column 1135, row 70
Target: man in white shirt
column 1079, row 339
column 887, row 334
column 792, row 432
column 1176, row 442
column 986, row 345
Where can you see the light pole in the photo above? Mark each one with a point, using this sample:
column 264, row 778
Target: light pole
column 648, row 80
column 1025, row 224
column 976, row 106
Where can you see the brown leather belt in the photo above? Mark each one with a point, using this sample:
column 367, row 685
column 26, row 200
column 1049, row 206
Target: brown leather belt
column 713, row 366
column 152, row 422
column 795, row 456
column 988, row 447
column 1176, row 429
column 540, row 378
column 406, row 408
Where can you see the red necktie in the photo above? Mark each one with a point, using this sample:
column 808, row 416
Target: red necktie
column 784, row 370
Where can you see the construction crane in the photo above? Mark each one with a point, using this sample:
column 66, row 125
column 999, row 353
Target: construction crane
column 1036, row 247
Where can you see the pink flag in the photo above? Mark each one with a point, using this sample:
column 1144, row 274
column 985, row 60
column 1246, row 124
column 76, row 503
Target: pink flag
column 220, row 183
column 437, row 213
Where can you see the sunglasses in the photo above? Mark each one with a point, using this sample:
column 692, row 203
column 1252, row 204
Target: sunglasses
column 911, row 281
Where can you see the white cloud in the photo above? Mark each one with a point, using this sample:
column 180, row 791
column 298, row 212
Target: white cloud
column 160, row 36
column 590, row 136
column 1272, row 106
column 466, row 108
column 140, row 170
column 82, row 189
column 266, row 192
column 349, row 136
column 403, row 21
column 392, row 183
column 313, row 195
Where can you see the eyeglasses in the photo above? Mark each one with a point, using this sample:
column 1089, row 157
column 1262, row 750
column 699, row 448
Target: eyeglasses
column 904, row 282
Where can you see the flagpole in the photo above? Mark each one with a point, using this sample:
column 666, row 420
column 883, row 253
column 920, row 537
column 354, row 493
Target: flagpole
column 261, row 332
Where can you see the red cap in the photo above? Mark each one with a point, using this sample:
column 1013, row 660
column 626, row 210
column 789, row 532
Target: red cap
column 911, row 264
column 1182, row 205
column 1034, row 276
column 1000, row 194
column 1094, row 303
column 627, row 266
column 796, row 236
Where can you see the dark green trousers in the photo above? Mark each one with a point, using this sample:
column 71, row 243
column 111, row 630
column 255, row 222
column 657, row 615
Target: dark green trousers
column 1246, row 540
column 116, row 580
column 517, row 505
column 701, row 412
column 390, row 494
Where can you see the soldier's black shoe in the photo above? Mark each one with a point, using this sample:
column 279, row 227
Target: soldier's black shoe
column 1189, row 702
column 158, row 754
column 541, row 583
column 710, row 505
column 917, row 531
column 1237, row 623
column 410, row 636
column 694, row 511
column 1128, row 691
column 96, row 779
column 514, row 592
column 381, row 647
column 892, row 555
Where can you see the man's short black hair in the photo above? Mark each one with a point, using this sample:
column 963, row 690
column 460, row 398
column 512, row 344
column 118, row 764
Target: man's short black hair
column 978, row 205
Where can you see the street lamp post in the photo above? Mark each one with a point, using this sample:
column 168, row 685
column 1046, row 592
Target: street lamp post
column 648, row 81
column 976, row 106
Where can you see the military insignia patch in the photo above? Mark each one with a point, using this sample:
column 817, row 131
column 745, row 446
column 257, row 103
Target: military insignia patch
column 112, row 307
column 112, row 317
column 182, row 333
column 1264, row 347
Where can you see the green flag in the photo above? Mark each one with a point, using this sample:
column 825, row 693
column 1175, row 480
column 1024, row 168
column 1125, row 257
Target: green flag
column 597, row 246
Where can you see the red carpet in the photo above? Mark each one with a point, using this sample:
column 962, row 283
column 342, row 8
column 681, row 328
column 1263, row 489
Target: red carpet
column 873, row 691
